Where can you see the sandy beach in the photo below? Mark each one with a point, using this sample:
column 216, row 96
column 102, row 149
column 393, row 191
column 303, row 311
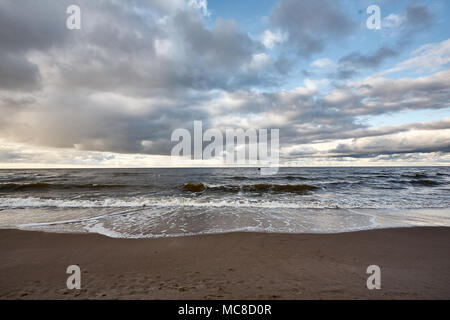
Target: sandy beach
column 414, row 262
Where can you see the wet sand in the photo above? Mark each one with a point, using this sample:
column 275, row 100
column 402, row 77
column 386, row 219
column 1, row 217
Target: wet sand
column 414, row 262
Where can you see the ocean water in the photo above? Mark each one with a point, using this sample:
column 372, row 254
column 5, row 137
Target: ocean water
column 144, row 203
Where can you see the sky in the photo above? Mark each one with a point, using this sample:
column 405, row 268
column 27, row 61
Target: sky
column 111, row 93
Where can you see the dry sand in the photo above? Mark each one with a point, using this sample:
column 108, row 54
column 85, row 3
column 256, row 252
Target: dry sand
column 415, row 264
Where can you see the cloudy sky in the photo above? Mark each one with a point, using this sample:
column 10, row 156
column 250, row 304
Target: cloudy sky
column 111, row 93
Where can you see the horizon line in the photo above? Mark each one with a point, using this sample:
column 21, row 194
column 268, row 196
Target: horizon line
column 217, row 167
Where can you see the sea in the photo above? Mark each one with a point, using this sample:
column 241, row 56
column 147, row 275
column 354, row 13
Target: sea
column 149, row 203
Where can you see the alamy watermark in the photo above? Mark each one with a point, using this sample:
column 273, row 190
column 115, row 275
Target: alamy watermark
column 374, row 280
column 73, row 21
column 374, row 20
column 74, row 280
column 239, row 148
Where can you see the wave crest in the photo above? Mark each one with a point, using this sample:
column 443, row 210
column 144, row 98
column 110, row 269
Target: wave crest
column 261, row 187
column 11, row 187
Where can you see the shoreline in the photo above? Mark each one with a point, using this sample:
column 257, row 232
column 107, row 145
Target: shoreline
column 188, row 235
column 414, row 262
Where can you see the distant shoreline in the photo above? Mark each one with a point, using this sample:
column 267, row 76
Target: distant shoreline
column 414, row 262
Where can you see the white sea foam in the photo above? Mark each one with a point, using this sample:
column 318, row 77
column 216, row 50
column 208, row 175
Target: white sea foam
column 133, row 202
column 100, row 229
column 154, row 222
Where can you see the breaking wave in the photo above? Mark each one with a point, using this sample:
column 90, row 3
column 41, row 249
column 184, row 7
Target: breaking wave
column 262, row 187
column 12, row 187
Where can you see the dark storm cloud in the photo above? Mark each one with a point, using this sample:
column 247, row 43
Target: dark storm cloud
column 352, row 64
column 17, row 72
column 415, row 20
column 359, row 60
column 33, row 25
column 343, row 74
column 311, row 23
column 224, row 43
column 125, row 80
column 26, row 25
column 140, row 55
column 418, row 16
column 284, row 65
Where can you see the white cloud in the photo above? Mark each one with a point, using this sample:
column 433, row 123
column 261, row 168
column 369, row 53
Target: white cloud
column 201, row 5
column 323, row 63
column 378, row 95
column 167, row 48
column 259, row 62
column 16, row 155
column 393, row 21
column 410, row 141
column 271, row 39
column 429, row 57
